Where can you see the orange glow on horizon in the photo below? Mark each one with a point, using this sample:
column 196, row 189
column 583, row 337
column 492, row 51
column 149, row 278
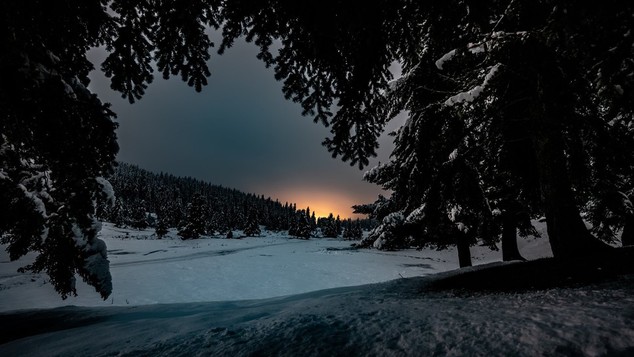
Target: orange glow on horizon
column 322, row 202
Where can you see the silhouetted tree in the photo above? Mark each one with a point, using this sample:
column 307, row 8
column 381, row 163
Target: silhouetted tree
column 329, row 227
column 510, row 72
column 300, row 227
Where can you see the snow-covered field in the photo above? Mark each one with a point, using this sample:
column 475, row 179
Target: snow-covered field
column 273, row 295
column 146, row 270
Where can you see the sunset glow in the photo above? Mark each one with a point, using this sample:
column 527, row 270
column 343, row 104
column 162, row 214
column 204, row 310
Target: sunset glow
column 322, row 201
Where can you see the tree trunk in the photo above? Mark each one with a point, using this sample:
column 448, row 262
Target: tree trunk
column 509, row 238
column 568, row 235
column 464, row 253
column 627, row 236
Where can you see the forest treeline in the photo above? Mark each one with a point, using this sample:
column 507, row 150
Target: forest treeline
column 143, row 199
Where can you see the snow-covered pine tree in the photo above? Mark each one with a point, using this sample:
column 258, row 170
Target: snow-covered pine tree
column 480, row 71
column 300, row 228
column 351, row 231
column 195, row 221
column 252, row 227
column 57, row 141
column 161, row 227
column 313, row 221
column 357, row 231
column 138, row 216
column 390, row 234
column 118, row 214
column 329, row 227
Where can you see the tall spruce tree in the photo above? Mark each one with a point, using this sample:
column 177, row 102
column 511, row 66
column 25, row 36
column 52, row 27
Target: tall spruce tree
column 486, row 72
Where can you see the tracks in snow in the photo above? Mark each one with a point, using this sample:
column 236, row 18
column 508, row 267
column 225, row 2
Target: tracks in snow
column 196, row 255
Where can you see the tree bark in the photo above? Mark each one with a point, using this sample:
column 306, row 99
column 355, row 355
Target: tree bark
column 464, row 252
column 567, row 233
column 510, row 250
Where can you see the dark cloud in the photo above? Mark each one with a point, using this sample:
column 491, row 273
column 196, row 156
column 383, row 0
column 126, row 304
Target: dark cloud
column 238, row 132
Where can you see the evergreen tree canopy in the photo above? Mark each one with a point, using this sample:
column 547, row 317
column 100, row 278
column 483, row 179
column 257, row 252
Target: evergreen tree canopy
column 515, row 108
column 329, row 227
column 57, row 140
column 529, row 102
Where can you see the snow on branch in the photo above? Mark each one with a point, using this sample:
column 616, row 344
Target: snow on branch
column 472, row 48
column 473, row 93
column 416, row 215
column 397, row 82
column 96, row 266
column 107, row 189
column 446, row 57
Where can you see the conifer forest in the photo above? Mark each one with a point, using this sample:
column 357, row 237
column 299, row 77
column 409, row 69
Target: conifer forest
column 512, row 131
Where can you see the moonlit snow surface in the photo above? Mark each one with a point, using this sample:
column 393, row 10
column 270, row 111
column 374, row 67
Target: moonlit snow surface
column 216, row 297
column 146, row 270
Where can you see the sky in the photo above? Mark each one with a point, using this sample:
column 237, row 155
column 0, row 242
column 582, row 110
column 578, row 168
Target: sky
column 239, row 132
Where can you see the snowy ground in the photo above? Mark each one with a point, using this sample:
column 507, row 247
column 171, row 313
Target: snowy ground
column 189, row 298
column 149, row 271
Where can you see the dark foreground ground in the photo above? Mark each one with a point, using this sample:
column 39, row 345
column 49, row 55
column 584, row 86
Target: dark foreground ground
column 540, row 308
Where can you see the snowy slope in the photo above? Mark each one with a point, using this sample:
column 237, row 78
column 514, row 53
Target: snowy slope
column 388, row 319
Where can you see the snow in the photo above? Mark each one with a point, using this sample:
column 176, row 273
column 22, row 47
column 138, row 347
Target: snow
column 453, row 155
column 470, row 95
column 389, row 319
column 619, row 89
column 477, row 48
column 417, row 215
column 39, row 204
column 107, row 189
column 197, row 298
column 446, row 57
column 217, row 269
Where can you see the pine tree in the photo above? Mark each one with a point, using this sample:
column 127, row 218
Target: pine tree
column 475, row 74
column 352, row 231
column 313, row 221
column 118, row 214
column 59, row 137
column 252, row 227
column 390, row 234
column 357, row 232
column 300, row 227
column 138, row 216
column 194, row 224
column 161, row 228
column 329, row 227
